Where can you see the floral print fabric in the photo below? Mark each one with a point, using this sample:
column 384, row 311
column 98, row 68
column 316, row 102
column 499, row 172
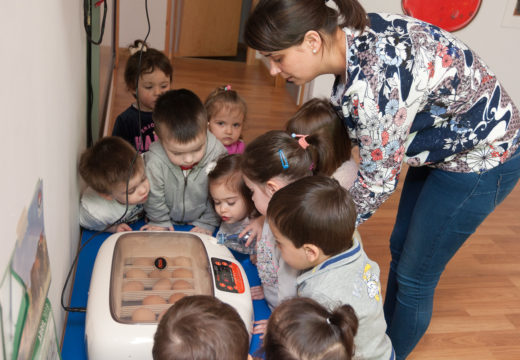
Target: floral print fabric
column 414, row 93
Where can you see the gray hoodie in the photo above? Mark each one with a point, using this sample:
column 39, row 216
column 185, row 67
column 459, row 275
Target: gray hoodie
column 178, row 197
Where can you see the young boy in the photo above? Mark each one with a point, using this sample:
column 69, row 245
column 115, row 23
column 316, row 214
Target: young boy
column 178, row 164
column 201, row 327
column 105, row 167
column 313, row 221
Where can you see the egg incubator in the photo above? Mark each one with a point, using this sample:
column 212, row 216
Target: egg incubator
column 137, row 276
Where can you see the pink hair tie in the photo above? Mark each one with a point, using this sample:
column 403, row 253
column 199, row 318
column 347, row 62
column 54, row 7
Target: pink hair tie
column 227, row 87
column 301, row 140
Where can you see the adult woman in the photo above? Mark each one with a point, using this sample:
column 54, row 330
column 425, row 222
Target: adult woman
column 408, row 92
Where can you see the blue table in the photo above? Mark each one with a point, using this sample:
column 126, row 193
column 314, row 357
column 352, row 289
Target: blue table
column 74, row 347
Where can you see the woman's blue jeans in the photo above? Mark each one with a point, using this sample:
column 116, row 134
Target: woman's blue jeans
column 437, row 212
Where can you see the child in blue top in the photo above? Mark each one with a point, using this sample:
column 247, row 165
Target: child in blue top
column 148, row 74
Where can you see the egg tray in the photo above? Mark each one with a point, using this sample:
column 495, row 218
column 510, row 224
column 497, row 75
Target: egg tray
column 141, row 256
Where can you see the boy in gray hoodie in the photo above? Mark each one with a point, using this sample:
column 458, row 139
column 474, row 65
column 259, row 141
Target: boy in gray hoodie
column 313, row 221
column 178, row 164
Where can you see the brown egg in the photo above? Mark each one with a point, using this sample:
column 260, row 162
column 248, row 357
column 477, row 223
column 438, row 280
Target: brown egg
column 162, row 284
column 133, row 286
column 153, row 300
column 181, row 261
column 142, row 261
column 143, row 315
column 160, row 273
column 181, row 285
column 176, row 297
column 136, row 274
column 182, row 273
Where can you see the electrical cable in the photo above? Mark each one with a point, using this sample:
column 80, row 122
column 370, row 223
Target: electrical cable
column 130, row 171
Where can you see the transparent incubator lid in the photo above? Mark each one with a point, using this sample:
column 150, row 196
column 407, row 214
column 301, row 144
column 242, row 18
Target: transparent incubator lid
column 152, row 270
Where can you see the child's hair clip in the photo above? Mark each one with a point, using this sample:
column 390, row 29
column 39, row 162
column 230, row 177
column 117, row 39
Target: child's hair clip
column 227, row 87
column 283, row 159
column 140, row 46
column 301, row 140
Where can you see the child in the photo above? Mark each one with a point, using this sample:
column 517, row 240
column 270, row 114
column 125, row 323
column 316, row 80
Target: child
column 313, row 221
column 106, row 168
column 226, row 113
column 327, row 140
column 148, row 74
column 269, row 163
column 232, row 201
column 301, row 328
column 178, row 164
column 201, row 327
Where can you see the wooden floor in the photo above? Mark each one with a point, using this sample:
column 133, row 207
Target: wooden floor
column 477, row 303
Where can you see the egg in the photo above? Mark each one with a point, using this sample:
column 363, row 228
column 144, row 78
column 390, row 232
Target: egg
column 153, row 300
column 136, row 274
column 133, row 286
column 162, row 284
column 182, row 273
column 181, row 285
column 176, row 297
column 143, row 315
column 160, row 273
column 181, row 261
column 142, row 261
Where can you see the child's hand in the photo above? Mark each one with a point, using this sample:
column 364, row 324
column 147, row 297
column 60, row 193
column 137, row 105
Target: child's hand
column 259, row 327
column 255, row 227
column 122, row 227
column 257, row 293
column 253, row 258
column 201, row 230
column 156, row 228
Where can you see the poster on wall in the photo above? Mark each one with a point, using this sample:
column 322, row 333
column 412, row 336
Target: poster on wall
column 24, row 287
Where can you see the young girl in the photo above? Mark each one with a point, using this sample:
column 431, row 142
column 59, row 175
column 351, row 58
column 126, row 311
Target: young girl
column 269, row 163
column 317, row 126
column 226, row 113
column 232, row 201
column 148, row 74
column 301, row 328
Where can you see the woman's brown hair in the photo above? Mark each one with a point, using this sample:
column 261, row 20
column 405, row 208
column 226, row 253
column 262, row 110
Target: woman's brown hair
column 279, row 24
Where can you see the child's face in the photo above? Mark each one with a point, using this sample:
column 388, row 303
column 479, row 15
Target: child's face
column 138, row 189
column 260, row 195
column 294, row 257
column 226, row 125
column 229, row 204
column 150, row 87
column 185, row 154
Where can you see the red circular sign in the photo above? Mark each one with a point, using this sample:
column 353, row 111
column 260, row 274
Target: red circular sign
column 447, row 14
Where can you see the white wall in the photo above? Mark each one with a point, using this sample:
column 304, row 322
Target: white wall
column 487, row 35
column 133, row 25
column 42, row 96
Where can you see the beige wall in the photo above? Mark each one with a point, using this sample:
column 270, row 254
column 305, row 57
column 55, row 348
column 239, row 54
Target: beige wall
column 42, row 96
column 488, row 34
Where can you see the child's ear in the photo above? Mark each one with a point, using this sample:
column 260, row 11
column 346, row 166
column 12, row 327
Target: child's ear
column 273, row 185
column 312, row 252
